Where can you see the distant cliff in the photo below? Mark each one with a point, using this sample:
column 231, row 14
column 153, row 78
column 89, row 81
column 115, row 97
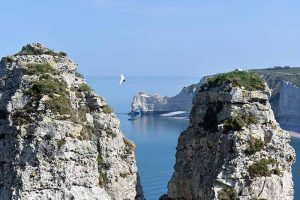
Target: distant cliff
column 285, row 98
column 58, row 139
column 144, row 103
column 233, row 148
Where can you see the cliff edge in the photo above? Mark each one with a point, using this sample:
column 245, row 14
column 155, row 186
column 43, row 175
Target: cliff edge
column 58, row 139
column 233, row 147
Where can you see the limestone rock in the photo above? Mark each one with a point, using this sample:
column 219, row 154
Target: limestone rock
column 55, row 140
column 155, row 103
column 232, row 149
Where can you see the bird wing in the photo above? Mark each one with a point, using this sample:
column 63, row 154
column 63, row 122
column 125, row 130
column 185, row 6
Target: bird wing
column 122, row 79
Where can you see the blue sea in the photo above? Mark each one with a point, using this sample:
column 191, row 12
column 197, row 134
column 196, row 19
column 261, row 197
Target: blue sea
column 156, row 137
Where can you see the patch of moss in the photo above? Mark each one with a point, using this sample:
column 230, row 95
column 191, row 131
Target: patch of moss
column 8, row 59
column 129, row 146
column 39, row 69
column 124, row 175
column 86, row 132
column 47, row 86
column 78, row 75
column 60, row 104
column 249, row 80
column 238, row 122
column 84, row 88
column 103, row 180
column 255, row 145
column 107, row 109
column 61, row 143
column 22, row 116
column 261, row 168
column 227, row 194
column 29, row 50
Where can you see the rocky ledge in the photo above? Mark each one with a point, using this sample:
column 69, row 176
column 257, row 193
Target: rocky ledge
column 58, row 139
column 233, row 148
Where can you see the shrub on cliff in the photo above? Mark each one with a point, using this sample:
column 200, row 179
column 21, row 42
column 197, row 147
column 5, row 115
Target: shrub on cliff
column 227, row 194
column 38, row 49
column 249, row 80
column 261, row 168
column 40, row 68
column 255, row 145
column 238, row 122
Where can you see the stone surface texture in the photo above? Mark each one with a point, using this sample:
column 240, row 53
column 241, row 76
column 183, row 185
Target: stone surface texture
column 49, row 155
column 212, row 157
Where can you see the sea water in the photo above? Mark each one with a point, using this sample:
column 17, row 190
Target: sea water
column 156, row 137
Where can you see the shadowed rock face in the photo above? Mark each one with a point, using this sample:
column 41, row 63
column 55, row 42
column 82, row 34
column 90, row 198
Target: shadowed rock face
column 58, row 139
column 233, row 148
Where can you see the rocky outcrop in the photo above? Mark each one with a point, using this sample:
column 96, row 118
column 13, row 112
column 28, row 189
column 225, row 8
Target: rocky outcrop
column 58, row 139
column 233, row 147
column 144, row 103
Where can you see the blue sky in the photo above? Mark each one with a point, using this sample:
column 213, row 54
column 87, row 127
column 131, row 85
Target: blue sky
column 157, row 38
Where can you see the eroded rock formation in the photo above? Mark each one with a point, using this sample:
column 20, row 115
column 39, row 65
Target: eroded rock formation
column 58, row 139
column 233, row 147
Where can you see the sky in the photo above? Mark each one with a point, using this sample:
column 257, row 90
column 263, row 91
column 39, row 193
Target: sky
column 163, row 38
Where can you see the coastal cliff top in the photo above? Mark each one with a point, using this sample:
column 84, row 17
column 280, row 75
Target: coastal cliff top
column 247, row 80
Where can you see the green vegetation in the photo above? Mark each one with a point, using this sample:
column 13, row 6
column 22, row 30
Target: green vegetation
column 255, row 145
column 22, row 116
column 8, row 59
column 124, row 175
column 274, row 75
column 129, row 146
column 29, row 50
column 227, row 194
column 103, row 180
column 35, row 69
column 78, row 75
column 60, row 104
column 249, row 80
column 47, row 86
column 61, row 143
column 242, row 120
column 87, row 132
column 56, row 91
column 107, row 109
column 84, row 88
column 261, row 168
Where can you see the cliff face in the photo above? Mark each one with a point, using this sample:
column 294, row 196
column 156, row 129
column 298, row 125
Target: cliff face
column 288, row 105
column 58, row 139
column 152, row 104
column 233, row 147
column 285, row 85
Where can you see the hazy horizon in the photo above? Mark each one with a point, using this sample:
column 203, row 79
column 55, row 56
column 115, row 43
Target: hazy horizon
column 152, row 38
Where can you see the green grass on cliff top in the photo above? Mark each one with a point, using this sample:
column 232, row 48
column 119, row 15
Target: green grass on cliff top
column 249, row 80
column 273, row 75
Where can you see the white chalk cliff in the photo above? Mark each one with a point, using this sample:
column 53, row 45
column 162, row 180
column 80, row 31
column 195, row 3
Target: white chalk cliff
column 58, row 139
column 233, row 149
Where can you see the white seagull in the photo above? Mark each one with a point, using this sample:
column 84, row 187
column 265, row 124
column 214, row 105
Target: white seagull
column 122, row 79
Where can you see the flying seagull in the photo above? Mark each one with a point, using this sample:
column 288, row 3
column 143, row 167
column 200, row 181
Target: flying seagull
column 122, row 79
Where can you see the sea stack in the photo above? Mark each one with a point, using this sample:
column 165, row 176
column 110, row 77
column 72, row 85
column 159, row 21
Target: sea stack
column 58, row 139
column 233, row 148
